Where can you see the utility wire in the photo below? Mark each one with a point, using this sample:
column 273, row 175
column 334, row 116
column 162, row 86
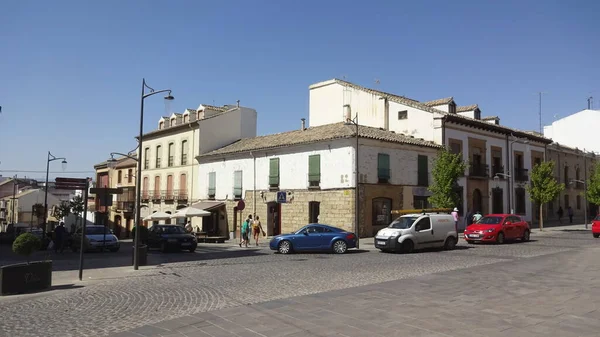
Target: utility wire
column 54, row 172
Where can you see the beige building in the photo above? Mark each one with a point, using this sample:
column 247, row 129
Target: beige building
column 169, row 170
column 24, row 202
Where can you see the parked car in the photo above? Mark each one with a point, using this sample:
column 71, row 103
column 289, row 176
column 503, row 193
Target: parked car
column 168, row 237
column 498, row 228
column 417, row 231
column 314, row 237
column 96, row 238
column 596, row 226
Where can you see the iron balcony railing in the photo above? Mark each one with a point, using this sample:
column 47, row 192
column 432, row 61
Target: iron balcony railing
column 521, row 174
column 478, row 170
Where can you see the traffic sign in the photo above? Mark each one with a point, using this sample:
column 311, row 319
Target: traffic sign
column 281, row 197
column 71, row 184
column 241, row 205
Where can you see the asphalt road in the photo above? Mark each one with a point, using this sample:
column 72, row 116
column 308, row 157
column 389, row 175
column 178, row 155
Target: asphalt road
column 114, row 298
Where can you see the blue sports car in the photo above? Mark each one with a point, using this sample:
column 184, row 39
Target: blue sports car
column 314, row 237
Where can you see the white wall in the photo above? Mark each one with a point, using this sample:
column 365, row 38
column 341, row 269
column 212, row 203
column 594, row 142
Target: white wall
column 336, row 169
column 577, row 130
column 226, row 128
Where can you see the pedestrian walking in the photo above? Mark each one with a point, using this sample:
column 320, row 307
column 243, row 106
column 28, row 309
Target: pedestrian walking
column 560, row 213
column 257, row 229
column 468, row 218
column 59, row 236
column 570, row 213
column 477, row 217
column 245, row 229
column 455, row 216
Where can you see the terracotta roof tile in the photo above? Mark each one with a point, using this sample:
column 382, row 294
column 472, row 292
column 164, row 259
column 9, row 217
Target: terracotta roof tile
column 440, row 101
column 216, row 108
column 467, row 108
column 317, row 134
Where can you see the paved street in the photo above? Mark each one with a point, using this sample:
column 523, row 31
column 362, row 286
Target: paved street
column 546, row 287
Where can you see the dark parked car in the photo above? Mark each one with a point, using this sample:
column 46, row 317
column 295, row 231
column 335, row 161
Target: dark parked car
column 315, row 237
column 168, row 237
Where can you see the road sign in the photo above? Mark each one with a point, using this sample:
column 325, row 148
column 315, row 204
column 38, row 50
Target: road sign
column 241, row 205
column 71, row 184
column 106, row 190
column 281, row 197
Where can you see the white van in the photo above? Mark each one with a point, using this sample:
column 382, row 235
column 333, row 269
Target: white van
column 417, row 231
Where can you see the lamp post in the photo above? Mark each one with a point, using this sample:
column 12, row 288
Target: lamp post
column 354, row 122
column 138, row 177
column 64, row 166
column 585, row 199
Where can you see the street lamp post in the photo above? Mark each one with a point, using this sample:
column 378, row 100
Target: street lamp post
column 64, row 163
column 356, row 192
column 138, row 186
column 585, row 219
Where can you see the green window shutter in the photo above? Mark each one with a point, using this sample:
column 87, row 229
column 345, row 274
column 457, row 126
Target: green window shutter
column 274, row 172
column 383, row 166
column 212, row 181
column 314, row 168
column 237, row 184
column 423, row 174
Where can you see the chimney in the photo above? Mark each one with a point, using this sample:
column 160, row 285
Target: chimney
column 303, row 124
column 238, row 103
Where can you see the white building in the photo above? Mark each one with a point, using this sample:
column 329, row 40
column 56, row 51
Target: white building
column 489, row 148
column 315, row 170
column 169, row 171
column 23, row 206
column 577, row 130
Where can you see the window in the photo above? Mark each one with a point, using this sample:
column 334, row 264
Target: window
column 456, row 147
column 173, row 122
column 577, row 173
column 129, row 176
column 314, row 229
column 146, row 158
column 421, row 202
column 403, row 114
column 119, row 177
column 182, row 193
column 314, row 209
column 566, row 199
column 537, row 161
column 171, row 154
column 477, row 114
column 382, row 211
column 158, row 156
column 566, row 174
column 170, row 186
column 578, row 202
column 212, row 181
column 161, row 125
column 186, row 118
column 383, row 168
column 520, row 200
column 184, row 152
column 314, row 170
column 423, row 171
column 145, row 188
column 156, row 187
column 274, row 173
column 423, row 224
column 237, row 185
column 452, row 108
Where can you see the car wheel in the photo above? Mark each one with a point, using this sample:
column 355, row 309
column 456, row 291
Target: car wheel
column 340, row 247
column 285, row 247
column 500, row 238
column 597, row 236
column 526, row 236
column 408, row 247
column 450, row 243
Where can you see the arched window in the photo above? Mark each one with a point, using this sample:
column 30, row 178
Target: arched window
column 382, row 211
column 477, row 201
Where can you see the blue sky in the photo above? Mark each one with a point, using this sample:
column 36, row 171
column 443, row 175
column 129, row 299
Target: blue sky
column 70, row 71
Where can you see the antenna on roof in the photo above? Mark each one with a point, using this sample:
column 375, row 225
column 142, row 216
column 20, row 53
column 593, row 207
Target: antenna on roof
column 590, row 101
column 540, row 112
column 377, row 82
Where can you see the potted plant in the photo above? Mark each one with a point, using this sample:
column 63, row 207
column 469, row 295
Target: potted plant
column 25, row 277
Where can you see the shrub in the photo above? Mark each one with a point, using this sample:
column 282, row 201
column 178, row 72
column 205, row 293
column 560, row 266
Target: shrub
column 25, row 244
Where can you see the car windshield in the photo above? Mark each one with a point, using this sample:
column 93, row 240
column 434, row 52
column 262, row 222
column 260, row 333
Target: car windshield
column 171, row 230
column 403, row 222
column 96, row 230
column 490, row 220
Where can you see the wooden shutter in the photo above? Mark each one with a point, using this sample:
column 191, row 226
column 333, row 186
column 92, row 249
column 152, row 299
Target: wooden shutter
column 314, row 168
column 212, row 181
column 274, row 172
column 423, row 168
column 237, row 184
column 383, row 166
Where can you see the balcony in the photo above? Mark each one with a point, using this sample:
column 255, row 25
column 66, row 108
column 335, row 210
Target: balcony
column 521, row 174
column 158, row 161
column 171, row 161
column 184, row 159
column 498, row 170
column 167, row 195
column 180, row 194
column 145, row 196
column 126, row 206
column 146, row 164
column 478, row 170
column 155, row 195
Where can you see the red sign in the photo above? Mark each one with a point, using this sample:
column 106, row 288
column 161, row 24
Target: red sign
column 241, row 205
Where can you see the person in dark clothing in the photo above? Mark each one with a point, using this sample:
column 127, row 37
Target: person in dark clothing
column 570, row 213
column 59, row 237
column 469, row 218
column 560, row 213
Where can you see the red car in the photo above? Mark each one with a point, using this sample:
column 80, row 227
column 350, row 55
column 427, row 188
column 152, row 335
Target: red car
column 596, row 226
column 498, row 228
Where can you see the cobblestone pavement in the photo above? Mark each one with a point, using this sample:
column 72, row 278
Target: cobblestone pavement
column 116, row 300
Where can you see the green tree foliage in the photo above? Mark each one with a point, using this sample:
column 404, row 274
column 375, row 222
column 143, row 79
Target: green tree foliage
column 447, row 168
column 593, row 187
column 543, row 187
column 25, row 244
column 62, row 210
column 77, row 205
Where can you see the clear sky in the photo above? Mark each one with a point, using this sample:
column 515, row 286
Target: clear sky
column 71, row 71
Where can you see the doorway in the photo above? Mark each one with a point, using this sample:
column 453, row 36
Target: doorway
column 477, row 200
column 314, row 209
column 274, row 218
column 497, row 201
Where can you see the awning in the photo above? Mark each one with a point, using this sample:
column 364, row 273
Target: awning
column 208, row 205
column 52, row 219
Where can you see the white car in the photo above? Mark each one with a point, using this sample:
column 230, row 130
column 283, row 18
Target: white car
column 96, row 238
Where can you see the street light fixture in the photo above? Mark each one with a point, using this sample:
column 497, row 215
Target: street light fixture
column 354, row 122
column 573, row 181
column 138, row 186
column 64, row 167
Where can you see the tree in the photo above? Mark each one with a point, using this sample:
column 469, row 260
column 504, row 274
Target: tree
column 447, row 168
column 543, row 187
column 77, row 206
column 38, row 210
column 62, row 210
column 25, row 244
column 593, row 187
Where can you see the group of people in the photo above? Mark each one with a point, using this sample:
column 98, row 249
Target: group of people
column 251, row 225
column 470, row 218
column 561, row 213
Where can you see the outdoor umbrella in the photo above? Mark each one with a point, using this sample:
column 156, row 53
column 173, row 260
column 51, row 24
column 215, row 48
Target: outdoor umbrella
column 190, row 212
column 158, row 216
